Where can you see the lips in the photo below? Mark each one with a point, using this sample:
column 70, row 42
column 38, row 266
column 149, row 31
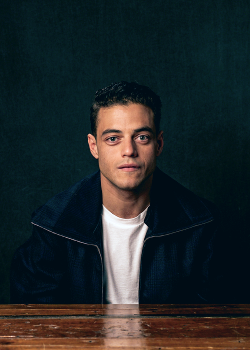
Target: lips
column 129, row 166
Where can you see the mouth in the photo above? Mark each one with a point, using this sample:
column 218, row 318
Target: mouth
column 129, row 167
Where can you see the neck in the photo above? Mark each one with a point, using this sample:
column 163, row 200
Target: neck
column 123, row 203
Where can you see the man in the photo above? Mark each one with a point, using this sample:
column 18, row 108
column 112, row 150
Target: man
column 128, row 233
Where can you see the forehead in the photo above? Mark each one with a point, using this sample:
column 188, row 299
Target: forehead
column 130, row 116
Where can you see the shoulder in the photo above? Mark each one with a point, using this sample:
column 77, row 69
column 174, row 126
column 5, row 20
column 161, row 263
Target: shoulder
column 179, row 204
column 78, row 198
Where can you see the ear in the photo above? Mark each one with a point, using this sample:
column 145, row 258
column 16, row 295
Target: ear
column 160, row 143
column 93, row 146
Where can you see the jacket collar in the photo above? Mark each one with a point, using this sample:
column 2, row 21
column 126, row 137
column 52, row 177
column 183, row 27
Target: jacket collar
column 174, row 208
column 75, row 213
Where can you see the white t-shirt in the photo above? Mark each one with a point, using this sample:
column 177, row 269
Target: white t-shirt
column 122, row 244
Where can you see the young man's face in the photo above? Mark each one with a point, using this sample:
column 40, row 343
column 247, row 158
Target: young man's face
column 126, row 145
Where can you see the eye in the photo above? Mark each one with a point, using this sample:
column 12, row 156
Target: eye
column 112, row 139
column 144, row 138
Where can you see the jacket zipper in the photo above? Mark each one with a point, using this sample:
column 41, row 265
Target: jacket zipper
column 167, row 234
column 94, row 245
column 71, row 239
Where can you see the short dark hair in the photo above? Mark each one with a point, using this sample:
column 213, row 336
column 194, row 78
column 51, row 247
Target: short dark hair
column 124, row 93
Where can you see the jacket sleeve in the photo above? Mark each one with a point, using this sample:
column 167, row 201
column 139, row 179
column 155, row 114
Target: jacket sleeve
column 216, row 268
column 210, row 270
column 37, row 270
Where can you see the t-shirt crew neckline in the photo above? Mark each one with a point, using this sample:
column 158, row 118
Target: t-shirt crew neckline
column 139, row 219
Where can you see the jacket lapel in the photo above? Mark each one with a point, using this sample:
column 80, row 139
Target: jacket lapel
column 74, row 213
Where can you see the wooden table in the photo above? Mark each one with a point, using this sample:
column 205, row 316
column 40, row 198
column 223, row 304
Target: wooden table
column 125, row 326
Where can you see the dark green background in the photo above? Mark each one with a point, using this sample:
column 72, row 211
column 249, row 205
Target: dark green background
column 55, row 54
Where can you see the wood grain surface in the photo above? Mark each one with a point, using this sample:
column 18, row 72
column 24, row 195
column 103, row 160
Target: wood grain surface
column 125, row 326
column 125, row 310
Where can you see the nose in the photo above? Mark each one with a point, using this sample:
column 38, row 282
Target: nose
column 129, row 148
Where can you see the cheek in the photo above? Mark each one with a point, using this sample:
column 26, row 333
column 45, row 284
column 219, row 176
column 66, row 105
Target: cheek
column 105, row 160
column 149, row 155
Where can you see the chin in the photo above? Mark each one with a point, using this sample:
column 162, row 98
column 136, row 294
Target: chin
column 129, row 188
column 129, row 185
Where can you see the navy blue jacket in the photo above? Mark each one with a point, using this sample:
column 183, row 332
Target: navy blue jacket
column 62, row 262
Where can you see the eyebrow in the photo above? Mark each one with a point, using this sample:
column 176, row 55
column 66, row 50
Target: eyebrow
column 109, row 131
column 145, row 128
column 116, row 131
